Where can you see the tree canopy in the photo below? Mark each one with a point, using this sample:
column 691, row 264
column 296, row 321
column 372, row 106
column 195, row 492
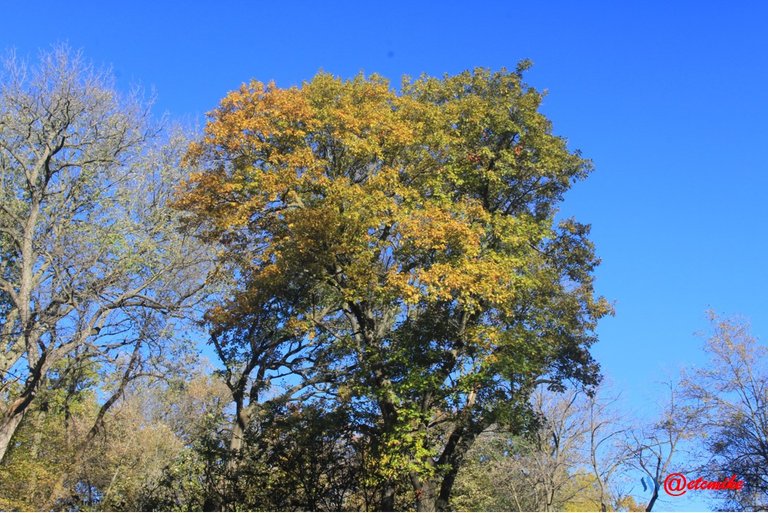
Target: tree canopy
column 92, row 266
column 418, row 228
column 398, row 316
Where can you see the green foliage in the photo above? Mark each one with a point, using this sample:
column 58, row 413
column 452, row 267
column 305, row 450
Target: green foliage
column 393, row 279
column 421, row 224
column 43, row 446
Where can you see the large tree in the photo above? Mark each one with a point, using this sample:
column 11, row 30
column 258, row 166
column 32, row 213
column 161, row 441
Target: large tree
column 423, row 223
column 92, row 265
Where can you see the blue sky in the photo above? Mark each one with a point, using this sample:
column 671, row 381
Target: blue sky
column 668, row 100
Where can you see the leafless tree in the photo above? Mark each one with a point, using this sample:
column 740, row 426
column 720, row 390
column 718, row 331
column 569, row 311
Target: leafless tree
column 607, row 455
column 731, row 392
column 573, row 459
column 655, row 448
column 87, row 240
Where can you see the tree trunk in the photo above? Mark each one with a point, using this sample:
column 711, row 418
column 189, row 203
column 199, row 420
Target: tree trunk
column 446, row 487
column 458, row 445
column 11, row 417
column 8, row 426
column 226, row 482
column 425, row 493
column 388, row 499
column 389, row 416
column 425, row 503
column 655, row 495
column 238, row 432
column 653, row 499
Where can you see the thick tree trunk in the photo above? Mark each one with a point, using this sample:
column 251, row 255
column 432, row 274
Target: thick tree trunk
column 425, row 493
column 426, row 503
column 389, row 417
column 8, row 426
column 388, row 498
column 11, row 418
column 221, row 501
column 459, row 443
column 238, row 432
column 655, row 495
column 446, row 487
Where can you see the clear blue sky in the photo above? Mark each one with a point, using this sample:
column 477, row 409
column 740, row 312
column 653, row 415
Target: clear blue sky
column 669, row 100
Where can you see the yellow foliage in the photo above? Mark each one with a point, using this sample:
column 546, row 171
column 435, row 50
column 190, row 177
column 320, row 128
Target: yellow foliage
column 442, row 194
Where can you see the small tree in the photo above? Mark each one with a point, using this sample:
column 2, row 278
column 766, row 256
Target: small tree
column 731, row 391
column 570, row 460
column 653, row 449
column 607, row 455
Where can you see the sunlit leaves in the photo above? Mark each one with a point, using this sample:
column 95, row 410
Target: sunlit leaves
column 424, row 222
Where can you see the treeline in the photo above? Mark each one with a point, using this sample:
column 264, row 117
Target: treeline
column 394, row 318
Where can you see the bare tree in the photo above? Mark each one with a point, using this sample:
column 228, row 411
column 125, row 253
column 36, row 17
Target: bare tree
column 572, row 460
column 88, row 242
column 558, row 442
column 583, row 454
column 607, row 455
column 731, row 392
column 656, row 447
